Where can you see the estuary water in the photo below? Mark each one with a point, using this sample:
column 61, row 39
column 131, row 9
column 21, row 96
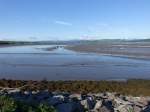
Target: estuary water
column 36, row 63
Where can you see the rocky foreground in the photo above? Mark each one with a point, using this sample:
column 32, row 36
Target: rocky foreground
column 73, row 102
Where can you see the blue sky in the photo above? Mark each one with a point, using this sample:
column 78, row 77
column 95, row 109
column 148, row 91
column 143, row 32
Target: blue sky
column 74, row 19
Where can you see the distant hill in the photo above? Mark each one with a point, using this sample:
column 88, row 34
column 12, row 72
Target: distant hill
column 70, row 42
column 6, row 42
column 141, row 40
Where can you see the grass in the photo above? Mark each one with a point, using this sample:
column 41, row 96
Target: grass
column 133, row 87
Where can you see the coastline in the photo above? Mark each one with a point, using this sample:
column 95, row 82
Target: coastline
column 74, row 101
column 102, row 51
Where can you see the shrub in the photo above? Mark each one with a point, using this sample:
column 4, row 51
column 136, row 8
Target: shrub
column 7, row 104
column 45, row 108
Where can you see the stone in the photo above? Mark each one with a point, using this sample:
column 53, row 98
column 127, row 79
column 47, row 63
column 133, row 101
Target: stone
column 14, row 91
column 27, row 92
column 35, row 92
column 147, row 109
column 69, row 107
column 88, row 103
column 137, row 109
column 78, row 96
column 55, row 100
column 108, row 104
column 85, row 104
column 105, row 109
column 98, row 105
column 125, row 108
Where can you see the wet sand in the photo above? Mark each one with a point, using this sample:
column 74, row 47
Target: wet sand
column 140, row 50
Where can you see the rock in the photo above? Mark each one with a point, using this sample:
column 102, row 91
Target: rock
column 55, row 100
column 13, row 91
column 66, row 94
column 84, row 96
column 88, row 104
column 99, row 94
column 141, row 101
column 69, row 107
column 137, row 109
column 78, row 96
column 27, row 92
column 117, row 102
column 105, row 109
column 43, row 95
column 125, row 108
column 35, row 92
column 108, row 104
column 139, row 104
column 98, row 105
column 85, row 104
column 147, row 109
column 110, row 96
column 91, row 102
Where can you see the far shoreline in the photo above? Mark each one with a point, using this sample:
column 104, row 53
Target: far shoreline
column 127, row 50
column 68, row 47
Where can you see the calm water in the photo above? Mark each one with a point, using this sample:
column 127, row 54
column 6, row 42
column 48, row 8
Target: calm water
column 32, row 62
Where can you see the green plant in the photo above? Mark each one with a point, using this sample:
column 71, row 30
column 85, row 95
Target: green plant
column 130, row 110
column 24, row 107
column 7, row 104
column 45, row 108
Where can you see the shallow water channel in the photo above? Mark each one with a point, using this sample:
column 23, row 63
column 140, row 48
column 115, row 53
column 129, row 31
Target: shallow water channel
column 36, row 63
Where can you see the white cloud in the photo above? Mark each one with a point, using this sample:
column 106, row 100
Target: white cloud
column 63, row 23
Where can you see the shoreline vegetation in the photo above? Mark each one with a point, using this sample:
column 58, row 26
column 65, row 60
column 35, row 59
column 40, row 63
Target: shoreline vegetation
column 135, row 87
column 74, row 96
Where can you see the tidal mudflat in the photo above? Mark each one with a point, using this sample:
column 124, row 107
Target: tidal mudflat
column 36, row 62
column 130, row 49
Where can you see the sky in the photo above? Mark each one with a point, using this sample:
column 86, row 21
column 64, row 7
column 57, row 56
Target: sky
column 74, row 19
